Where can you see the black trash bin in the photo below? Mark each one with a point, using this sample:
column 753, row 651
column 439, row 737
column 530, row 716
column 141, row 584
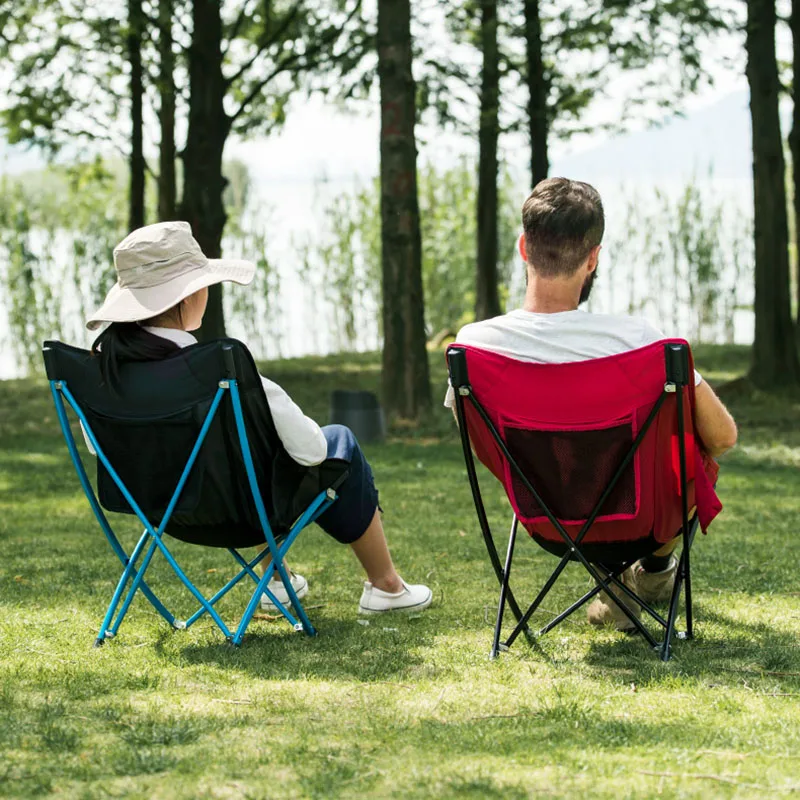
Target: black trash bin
column 361, row 412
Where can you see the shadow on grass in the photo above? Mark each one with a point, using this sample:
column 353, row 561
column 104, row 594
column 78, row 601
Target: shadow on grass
column 725, row 652
column 341, row 651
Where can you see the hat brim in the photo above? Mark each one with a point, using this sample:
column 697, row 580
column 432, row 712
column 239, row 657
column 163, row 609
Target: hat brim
column 134, row 305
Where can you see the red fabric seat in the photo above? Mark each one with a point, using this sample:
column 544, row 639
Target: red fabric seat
column 591, row 459
column 569, row 427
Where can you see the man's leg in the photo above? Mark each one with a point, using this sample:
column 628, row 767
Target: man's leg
column 654, row 575
column 660, row 559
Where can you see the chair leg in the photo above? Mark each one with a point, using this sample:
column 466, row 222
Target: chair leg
column 687, row 578
column 135, row 585
column 247, row 569
column 523, row 623
column 122, row 583
column 604, row 583
column 145, row 589
column 611, row 577
column 673, row 614
column 494, row 558
column 683, row 574
column 194, row 590
column 295, row 600
column 504, row 588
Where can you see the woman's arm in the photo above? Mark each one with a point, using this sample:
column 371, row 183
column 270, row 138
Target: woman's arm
column 301, row 436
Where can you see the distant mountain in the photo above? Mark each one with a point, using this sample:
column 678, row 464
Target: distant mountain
column 716, row 137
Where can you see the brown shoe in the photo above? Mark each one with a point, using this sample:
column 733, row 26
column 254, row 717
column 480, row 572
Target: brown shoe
column 654, row 587
column 604, row 611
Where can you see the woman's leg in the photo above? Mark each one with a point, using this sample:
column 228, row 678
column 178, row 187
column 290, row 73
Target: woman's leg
column 373, row 553
column 268, row 560
column 355, row 519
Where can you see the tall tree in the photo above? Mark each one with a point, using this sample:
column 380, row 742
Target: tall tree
column 167, row 194
column 775, row 358
column 246, row 58
column 563, row 57
column 65, row 64
column 487, row 300
column 250, row 64
column 136, row 21
column 538, row 90
column 794, row 141
column 209, row 125
column 406, row 383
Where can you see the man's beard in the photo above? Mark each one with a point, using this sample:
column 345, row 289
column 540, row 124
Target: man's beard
column 586, row 289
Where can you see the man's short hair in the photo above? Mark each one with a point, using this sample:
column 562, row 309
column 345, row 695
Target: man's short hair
column 563, row 220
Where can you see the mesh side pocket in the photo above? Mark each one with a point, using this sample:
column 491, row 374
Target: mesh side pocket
column 570, row 469
column 149, row 457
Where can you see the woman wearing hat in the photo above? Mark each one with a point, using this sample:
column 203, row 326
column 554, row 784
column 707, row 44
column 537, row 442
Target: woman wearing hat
column 159, row 298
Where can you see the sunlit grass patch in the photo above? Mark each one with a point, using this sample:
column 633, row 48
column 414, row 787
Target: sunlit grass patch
column 399, row 707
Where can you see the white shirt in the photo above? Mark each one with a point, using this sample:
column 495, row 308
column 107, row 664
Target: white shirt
column 563, row 337
column 300, row 435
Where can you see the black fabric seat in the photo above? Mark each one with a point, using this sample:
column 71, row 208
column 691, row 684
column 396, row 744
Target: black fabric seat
column 147, row 429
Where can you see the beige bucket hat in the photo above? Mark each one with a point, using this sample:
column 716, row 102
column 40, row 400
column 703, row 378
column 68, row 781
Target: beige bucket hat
column 157, row 267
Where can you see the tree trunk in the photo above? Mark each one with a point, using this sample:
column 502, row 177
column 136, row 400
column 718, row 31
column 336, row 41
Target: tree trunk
column 136, row 164
column 537, row 98
column 487, row 301
column 794, row 145
column 203, row 182
column 775, row 359
column 406, row 383
column 167, row 203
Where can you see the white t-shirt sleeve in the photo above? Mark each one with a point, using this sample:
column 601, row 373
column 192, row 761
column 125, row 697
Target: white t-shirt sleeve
column 450, row 395
column 652, row 334
column 301, row 436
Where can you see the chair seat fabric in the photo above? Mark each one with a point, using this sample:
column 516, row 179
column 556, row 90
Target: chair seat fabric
column 569, row 427
column 147, row 427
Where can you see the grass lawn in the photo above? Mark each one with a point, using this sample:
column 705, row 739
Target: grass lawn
column 400, row 707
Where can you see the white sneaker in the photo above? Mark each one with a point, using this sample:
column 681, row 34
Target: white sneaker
column 414, row 597
column 299, row 584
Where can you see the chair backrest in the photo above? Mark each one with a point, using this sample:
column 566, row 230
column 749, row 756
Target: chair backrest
column 149, row 423
column 567, row 429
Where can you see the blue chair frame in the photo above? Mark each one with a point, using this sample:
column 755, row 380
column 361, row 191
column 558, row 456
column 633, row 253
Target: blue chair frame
column 152, row 536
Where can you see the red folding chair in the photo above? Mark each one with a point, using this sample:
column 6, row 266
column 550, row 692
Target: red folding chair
column 600, row 463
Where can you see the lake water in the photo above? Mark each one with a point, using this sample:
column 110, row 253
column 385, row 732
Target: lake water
column 303, row 318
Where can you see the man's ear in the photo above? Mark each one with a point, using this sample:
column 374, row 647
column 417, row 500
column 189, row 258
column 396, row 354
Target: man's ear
column 594, row 255
column 521, row 246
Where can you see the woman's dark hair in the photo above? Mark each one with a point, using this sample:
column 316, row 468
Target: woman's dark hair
column 124, row 342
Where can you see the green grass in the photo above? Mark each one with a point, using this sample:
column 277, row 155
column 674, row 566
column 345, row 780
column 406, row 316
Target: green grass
column 400, row 707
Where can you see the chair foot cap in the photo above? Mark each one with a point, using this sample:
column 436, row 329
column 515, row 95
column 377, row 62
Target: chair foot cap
column 99, row 642
column 179, row 625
